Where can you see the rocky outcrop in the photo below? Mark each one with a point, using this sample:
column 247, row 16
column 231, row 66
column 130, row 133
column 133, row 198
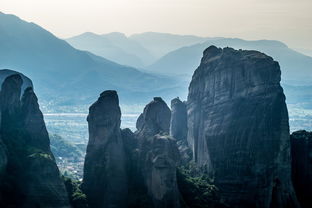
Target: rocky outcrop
column 105, row 177
column 301, row 152
column 155, row 119
column 238, row 127
column 31, row 176
column 178, row 123
column 26, row 82
column 123, row 169
column 158, row 155
column 33, row 121
column 178, row 129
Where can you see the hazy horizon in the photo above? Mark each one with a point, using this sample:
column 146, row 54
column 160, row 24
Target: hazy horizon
column 285, row 20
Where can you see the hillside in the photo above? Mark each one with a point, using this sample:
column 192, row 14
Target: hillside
column 65, row 75
column 160, row 44
column 113, row 46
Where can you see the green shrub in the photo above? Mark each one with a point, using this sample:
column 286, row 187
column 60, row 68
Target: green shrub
column 197, row 189
column 76, row 197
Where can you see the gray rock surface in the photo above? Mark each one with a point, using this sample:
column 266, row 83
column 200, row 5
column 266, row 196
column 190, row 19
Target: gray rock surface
column 31, row 174
column 33, row 121
column 3, row 166
column 178, row 129
column 159, row 158
column 301, row 152
column 105, row 177
column 154, row 119
column 158, row 155
column 178, row 123
column 4, row 73
column 238, row 127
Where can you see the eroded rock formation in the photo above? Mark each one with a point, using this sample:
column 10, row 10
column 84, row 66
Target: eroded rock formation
column 155, row 119
column 178, row 123
column 118, row 160
column 105, row 177
column 158, row 154
column 30, row 177
column 178, row 129
column 238, row 127
column 301, row 152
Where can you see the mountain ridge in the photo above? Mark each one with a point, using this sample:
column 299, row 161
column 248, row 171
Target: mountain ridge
column 290, row 60
column 64, row 74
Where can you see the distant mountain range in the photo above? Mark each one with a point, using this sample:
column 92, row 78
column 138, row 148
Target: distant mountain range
column 171, row 54
column 296, row 67
column 138, row 50
column 65, row 75
column 113, row 46
column 160, row 44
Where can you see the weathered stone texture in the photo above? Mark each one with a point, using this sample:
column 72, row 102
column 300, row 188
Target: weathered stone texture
column 238, row 127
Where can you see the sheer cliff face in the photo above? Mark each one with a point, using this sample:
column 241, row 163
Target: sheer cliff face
column 105, row 177
column 31, row 175
column 238, row 127
column 178, row 123
column 33, row 121
column 158, row 156
column 178, row 129
column 301, row 152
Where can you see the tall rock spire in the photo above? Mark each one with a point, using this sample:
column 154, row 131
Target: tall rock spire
column 238, row 127
column 105, row 177
column 31, row 174
column 178, row 123
column 158, row 155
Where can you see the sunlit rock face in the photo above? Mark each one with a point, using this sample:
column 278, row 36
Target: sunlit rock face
column 301, row 152
column 238, row 127
column 31, row 176
column 105, row 177
column 158, row 155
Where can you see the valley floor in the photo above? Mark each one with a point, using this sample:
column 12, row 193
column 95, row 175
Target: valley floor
column 70, row 123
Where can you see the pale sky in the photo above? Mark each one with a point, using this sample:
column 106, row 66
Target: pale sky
column 287, row 20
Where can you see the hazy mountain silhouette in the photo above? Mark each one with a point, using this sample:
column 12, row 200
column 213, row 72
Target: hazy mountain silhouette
column 160, row 44
column 113, row 46
column 296, row 67
column 60, row 71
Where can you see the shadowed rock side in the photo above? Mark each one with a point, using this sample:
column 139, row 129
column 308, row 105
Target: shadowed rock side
column 238, row 127
column 178, row 123
column 30, row 177
column 178, row 129
column 301, row 152
column 158, row 154
column 105, row 177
